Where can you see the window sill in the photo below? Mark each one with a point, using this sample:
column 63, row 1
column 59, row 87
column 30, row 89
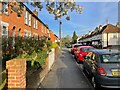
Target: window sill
column 27, row 25
column 5, row 14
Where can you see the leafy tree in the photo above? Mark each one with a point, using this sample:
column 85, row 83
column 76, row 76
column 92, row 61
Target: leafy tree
column 57, row 8
column 66, row 39
column 74, row 38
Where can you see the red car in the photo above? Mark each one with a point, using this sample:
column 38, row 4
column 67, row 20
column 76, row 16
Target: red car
column 82, row 52
column 74, row 47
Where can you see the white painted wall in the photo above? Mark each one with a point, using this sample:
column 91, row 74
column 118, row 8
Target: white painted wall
column 113, row 39
column 51, row 58
column 104, row 40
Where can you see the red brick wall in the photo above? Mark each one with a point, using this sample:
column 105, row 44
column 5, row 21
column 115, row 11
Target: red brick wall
column 18, row 22
column 13, row 20
column 16, row 71
column 52, row 36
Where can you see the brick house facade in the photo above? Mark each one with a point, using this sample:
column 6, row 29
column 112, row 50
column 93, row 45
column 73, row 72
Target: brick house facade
column 28, row 24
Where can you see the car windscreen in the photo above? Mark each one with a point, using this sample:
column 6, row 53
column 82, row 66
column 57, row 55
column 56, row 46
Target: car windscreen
column 111, row 58
column 86, row 49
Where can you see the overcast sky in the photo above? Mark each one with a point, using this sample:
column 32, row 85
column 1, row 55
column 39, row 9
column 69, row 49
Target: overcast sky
column 94, row 14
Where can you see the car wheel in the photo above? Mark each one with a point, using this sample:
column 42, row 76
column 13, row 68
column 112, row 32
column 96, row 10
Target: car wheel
column 74, row 57
column 84, row 70
column 95, row 85
column 77, row 61
column 93, row 82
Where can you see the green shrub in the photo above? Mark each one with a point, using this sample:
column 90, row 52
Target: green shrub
column 25, row 48
column 54, row 45
column 3, row 75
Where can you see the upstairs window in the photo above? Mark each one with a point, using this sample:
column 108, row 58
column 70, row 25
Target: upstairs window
column 29, row 19
column 5, row 8
column 36, row 24
column 25, row 17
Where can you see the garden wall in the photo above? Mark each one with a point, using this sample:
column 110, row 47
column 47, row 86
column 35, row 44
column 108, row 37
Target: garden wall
column 16, row 71
column 51, row 58
column 34, row 80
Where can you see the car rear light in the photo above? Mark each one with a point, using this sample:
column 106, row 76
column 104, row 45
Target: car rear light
column 102, row 71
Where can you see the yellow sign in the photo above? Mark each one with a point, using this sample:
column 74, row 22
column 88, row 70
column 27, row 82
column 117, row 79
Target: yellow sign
column 116, row 73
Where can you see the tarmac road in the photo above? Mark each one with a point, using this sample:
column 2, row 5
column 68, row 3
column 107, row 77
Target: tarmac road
column 65, row 73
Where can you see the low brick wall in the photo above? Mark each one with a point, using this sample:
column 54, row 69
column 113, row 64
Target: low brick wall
column 16, row 71
column 34, row 80
column 57, row 52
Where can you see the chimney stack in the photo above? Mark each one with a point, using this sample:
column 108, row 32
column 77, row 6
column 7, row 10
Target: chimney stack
column 106, row 21
column 100, row 27
column 35, row 12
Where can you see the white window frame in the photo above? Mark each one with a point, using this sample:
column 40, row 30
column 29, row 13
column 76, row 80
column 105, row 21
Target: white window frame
column 27, row 33
column 29, row 19
column 13, row 36
column 48, row 33
column 25, row 16
column 35, row 35
column 115, row 36
column 4, row 8
column 6, row 25
column 36, row 22
column 34, row 25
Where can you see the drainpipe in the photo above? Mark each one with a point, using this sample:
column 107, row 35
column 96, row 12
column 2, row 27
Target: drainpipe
column 107, row 39
column 31, row 24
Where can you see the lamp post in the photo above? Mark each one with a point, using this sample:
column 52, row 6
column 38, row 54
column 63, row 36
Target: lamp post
column 60, row 33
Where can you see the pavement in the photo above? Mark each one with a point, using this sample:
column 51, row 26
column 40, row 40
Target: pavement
column 66, row 73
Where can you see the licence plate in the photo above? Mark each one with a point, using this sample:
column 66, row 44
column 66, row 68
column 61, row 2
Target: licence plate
column 116, row 73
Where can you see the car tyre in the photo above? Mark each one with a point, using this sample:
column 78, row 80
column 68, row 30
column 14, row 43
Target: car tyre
column 94, row 84
column 84, row 69
column 77, row 61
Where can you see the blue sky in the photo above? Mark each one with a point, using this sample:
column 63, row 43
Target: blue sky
column 94, row 14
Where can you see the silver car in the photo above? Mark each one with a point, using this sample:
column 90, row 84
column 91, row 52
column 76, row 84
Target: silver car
column 103, row 68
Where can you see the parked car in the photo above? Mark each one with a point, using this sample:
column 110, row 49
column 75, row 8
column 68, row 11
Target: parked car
column 81, row 52
column 103, row 68
column 74, row 47
column 69, row 46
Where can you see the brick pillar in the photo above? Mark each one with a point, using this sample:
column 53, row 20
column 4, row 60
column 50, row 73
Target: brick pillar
column 16, row 71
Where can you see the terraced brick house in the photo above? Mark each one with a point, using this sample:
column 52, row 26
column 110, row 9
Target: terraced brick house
column 25, row 25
